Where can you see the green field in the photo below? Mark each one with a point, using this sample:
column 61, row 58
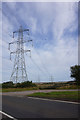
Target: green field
column 18, row 89
column 0, row 90
column 34, row 88
column 64, row 95
column 44, row 86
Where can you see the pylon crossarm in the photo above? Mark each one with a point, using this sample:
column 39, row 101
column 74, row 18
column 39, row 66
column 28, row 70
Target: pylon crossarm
column 28, row 51
column 11, row 53
column 12, row 43
column 25, row 30
column 15, row 32
column 27, row 41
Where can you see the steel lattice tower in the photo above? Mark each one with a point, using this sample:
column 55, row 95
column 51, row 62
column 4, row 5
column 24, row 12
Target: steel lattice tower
column 19, row 73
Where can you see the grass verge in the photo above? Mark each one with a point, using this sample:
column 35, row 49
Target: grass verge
column 18, row 89
column 64, row 95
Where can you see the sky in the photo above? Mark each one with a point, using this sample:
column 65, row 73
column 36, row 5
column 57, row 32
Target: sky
column 53, row 27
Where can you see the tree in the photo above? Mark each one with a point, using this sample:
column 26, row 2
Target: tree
column 75, row 73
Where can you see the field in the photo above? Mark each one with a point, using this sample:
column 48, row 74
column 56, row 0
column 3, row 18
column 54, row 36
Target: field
column 60, row 95
column 44, row 86
column 0, row 90
column 64, row 95
column 58, row 85
column 18, row 89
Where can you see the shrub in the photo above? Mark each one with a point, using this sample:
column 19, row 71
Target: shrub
column 8, row 84
column 25, row 84
column 18, row 85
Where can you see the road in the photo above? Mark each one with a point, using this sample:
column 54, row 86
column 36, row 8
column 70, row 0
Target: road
column 23, row 93
column 24, row 107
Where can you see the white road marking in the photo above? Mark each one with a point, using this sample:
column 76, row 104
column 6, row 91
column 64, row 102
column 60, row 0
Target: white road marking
column 9, row 116
column 54, row 100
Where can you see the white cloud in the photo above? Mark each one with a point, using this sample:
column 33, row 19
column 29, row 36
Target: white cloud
column 33, row 22
column 12, row 5
column 56, row 58
column 40, row 0
column 65, row 18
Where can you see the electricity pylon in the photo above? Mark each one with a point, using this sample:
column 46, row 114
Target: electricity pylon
column 51, row 78
column 38, row 78
column 19, row 73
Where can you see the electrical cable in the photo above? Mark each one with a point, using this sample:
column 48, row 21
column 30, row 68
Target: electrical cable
column 42, row 63
column 37, row 66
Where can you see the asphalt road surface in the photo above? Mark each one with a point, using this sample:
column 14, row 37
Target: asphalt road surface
column 24, row 107
column 4, row 117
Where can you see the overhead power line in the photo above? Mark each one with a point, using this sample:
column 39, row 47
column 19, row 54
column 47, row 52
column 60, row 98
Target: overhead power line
column 44, row 67
column 37, row 65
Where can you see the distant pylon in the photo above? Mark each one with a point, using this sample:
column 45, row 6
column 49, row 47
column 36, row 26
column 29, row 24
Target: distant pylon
column 38, row 78
column 19, row 73
column 51, row 78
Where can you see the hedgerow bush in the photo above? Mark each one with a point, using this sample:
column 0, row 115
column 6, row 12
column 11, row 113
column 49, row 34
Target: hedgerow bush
column 25, row 84
column 8, row 84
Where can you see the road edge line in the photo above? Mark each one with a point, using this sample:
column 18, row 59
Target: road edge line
column 7, row 115
column 54, row 100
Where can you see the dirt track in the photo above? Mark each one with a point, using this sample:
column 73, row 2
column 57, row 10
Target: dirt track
column 23, row 93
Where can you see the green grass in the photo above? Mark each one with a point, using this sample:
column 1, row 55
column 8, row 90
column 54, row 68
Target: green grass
column 18, row 89
column 0, row 89
column 42, row 87
column 64, row 95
